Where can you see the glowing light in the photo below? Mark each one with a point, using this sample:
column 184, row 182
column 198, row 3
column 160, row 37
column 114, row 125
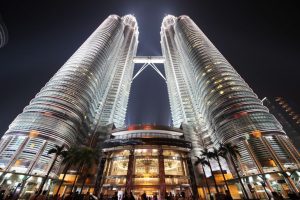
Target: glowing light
column 39, row 179
column 8, row 175
column 256, row 133
column 268, row 176
column 250, row 179
column 33, row 134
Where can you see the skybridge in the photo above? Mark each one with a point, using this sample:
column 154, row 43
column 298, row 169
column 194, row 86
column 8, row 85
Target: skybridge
column 148, row 61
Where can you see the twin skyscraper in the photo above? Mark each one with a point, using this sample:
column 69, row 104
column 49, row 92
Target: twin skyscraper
column 91, row 90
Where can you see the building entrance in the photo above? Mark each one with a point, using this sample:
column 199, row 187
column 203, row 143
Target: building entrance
column 156, row 167
column 150, row 192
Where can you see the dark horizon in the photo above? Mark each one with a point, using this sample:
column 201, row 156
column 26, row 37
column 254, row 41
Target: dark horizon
column 261, row 41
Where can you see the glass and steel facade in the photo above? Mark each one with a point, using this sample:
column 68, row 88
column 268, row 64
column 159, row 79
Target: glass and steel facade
column 207, row 94
column 90, row 90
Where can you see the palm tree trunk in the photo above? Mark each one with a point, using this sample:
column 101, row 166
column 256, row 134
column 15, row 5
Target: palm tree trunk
column 46, row 177
column 206, row 182
column 78, row 171
column 83, row 183
column 74, row 182
column 215, row 182
column 63, row 178
column 2, row 177
column 239, row 177
column 100, row 171
column 218, row 160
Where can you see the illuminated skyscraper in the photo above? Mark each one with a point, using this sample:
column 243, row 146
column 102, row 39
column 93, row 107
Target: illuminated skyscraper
column 90, row 90
column 287, row 116
column 208, row 94
column 210, row 104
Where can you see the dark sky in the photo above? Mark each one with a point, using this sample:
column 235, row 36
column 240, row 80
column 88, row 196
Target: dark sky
column 260, row 40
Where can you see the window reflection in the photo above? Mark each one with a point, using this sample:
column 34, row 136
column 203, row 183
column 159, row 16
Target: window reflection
column 173, row 167
column 146, row 167
column 118, row 167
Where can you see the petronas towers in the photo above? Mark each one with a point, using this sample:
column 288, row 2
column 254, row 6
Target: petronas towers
column 91, row 90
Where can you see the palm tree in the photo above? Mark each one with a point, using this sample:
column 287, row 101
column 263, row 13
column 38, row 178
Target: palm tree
column 231, row 151
column 79, row 169
column 89, row 156
column 86, row 157
column 69, row 158
column 209, row 155
column 58, row 151
column 216, row 153
column 203, row 162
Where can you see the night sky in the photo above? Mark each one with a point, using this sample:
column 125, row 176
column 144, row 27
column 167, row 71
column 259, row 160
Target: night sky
column 260, row 40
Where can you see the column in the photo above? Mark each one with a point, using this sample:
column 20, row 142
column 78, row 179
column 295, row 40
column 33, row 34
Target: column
column 161, row 173
column 282, row 169
column 287, row 148
column 37, row 157
column 100, row 175
column 16, row 154
column 192, row 178
column 259, row 167
column 129, row 175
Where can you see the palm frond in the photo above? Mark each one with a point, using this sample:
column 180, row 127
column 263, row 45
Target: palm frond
column 231, row 149
column 198, row 161
column 204, row 152
column 205, row 162
column 51, row 151
column 57, row 149
column 71, row 156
